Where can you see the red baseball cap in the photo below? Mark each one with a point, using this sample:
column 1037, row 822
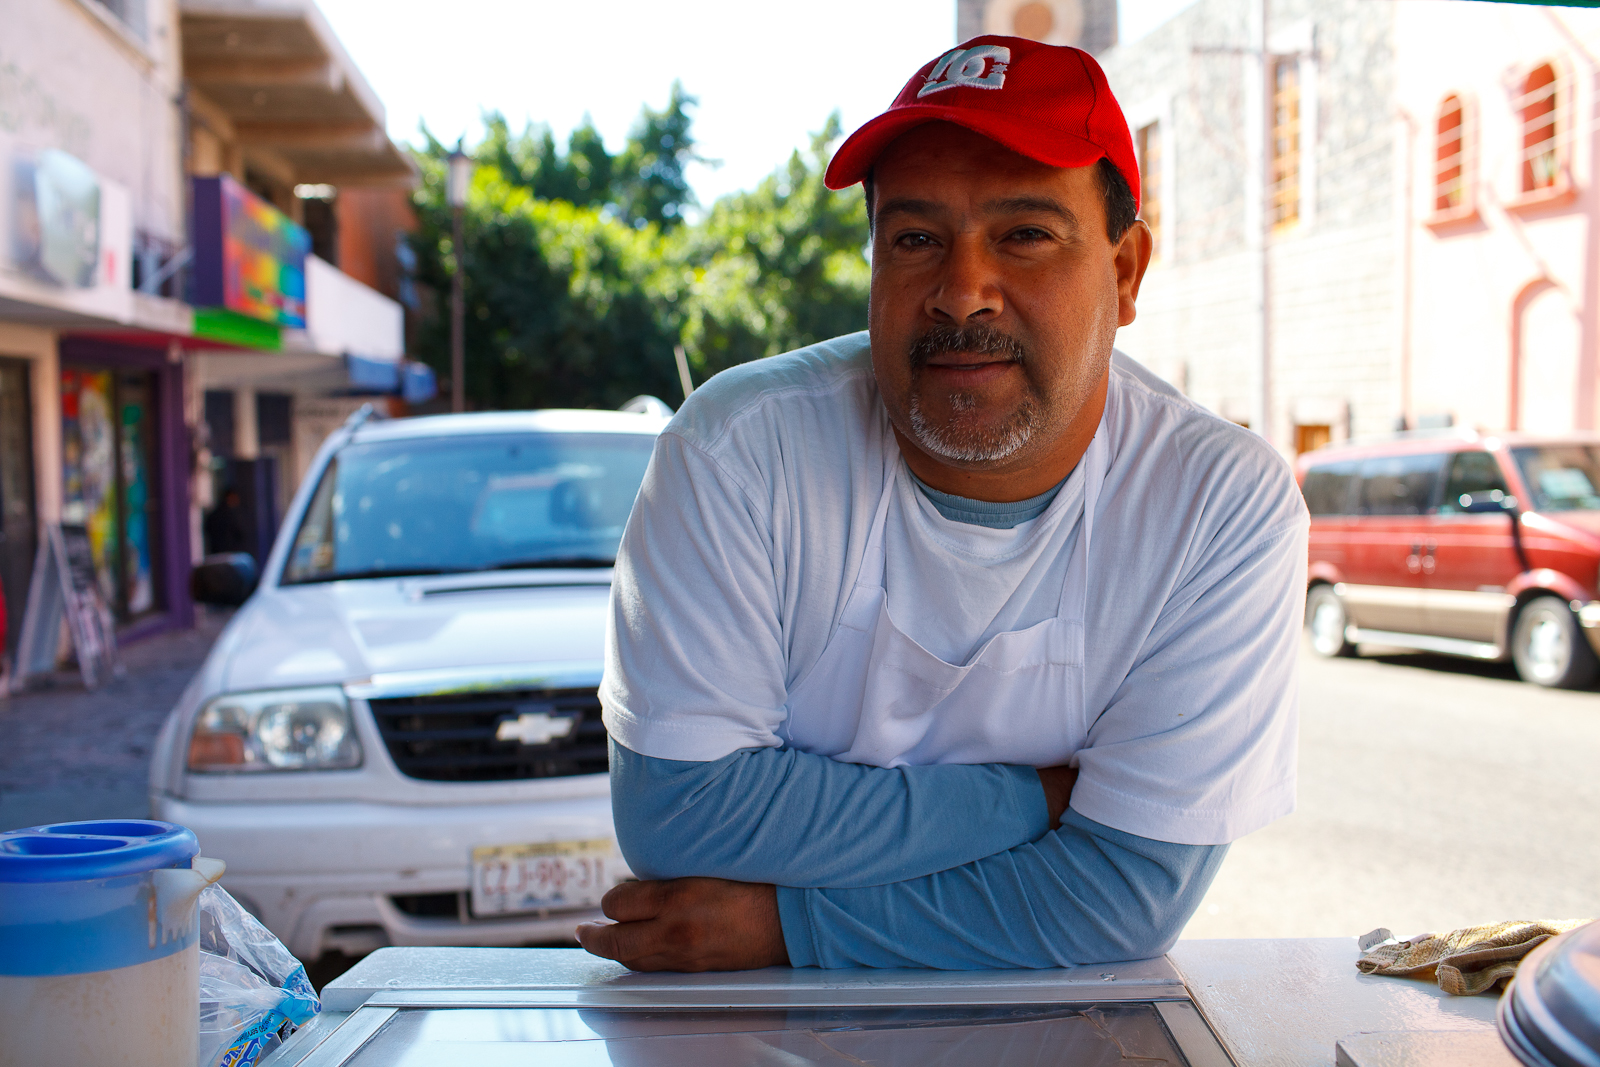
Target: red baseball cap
column 1048, row 102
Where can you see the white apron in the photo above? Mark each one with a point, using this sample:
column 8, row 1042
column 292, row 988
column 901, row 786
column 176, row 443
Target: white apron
column 877, row 697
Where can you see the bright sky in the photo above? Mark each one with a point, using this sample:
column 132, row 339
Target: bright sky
column 766, row 74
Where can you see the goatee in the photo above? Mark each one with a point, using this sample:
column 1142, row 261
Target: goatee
column 962, row 438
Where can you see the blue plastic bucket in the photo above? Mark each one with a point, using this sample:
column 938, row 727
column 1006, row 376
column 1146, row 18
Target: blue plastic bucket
column 99, row 959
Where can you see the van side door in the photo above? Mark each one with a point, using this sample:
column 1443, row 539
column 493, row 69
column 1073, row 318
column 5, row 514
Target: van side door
column 1330, row 494
column 1474, row 558
column 1385, row 584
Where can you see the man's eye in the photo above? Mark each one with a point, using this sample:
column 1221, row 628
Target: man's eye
column 914, row 240
column 1030, row 234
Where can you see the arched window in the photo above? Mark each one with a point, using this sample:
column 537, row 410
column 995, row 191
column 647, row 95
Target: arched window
column 1539, row 106
column 1450, row 158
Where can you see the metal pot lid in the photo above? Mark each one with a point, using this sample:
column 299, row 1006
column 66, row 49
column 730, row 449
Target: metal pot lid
column 1550, row 1017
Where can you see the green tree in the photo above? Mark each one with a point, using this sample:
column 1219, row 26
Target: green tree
column 581, row 273
column 567, row 305
column 582, row 175
column 778, row 267
column 650, row 182
column 645, row 183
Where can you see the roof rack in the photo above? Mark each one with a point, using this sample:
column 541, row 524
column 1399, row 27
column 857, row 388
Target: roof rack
column 361, row 416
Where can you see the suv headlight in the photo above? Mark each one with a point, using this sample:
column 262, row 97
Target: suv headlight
column 277, row 730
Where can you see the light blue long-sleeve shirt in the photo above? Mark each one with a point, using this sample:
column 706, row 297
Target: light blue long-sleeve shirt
column 950, row 866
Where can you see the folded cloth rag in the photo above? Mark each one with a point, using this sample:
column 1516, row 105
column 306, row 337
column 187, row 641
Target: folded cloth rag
column 1466, row 961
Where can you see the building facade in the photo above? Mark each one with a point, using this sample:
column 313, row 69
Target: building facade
column 1367, row 217
column 1268, row 132
column 93, row 431
column 1087, row 24
column 1496, row 107
column 134, row 316
column 279, row 110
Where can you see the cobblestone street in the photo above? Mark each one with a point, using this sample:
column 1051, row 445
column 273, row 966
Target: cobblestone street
column 67, row 753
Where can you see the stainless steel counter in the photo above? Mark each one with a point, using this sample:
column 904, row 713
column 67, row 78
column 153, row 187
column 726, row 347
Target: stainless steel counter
column 1271, row 1003
column 1289, row 1002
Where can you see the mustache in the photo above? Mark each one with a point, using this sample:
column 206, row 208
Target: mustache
column 979, row 339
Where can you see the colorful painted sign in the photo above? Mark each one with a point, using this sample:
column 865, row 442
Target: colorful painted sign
column 249, row 257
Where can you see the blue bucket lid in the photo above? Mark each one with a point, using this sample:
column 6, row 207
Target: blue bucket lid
column 103, row 848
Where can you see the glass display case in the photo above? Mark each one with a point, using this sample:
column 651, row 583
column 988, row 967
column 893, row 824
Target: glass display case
column 403, row 1007
column 1272, row 1002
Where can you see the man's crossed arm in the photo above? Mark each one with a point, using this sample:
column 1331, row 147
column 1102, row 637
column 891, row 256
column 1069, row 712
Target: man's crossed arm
column 771, row 855
column 792, row 818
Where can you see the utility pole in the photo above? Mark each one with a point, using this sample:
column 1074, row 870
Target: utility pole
column 1258, row 212
column 1260, row 203
column 683, row 370
column 458, row 178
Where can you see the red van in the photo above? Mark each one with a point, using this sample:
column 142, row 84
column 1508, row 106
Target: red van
column 1461, row 543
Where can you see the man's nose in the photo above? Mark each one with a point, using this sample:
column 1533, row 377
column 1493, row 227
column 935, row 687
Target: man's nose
column 968, row 290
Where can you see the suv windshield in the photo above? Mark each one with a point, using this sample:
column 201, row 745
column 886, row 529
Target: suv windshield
column 445, row 504
column 1561, row 477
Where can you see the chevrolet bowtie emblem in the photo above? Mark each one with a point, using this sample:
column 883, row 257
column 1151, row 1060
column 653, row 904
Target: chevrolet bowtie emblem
column 535, row 728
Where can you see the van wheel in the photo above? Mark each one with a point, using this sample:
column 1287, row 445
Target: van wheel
column 1549, row 648
column 1325, row 622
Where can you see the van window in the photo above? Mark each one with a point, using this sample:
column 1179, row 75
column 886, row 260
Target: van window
column 1399, row 485
column 1470, row 472
column 1561, row 477
column 1330, row 489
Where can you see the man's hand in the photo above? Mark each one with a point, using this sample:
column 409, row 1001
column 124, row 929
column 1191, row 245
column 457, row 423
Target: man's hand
column 1057, row 782
column 689, row 924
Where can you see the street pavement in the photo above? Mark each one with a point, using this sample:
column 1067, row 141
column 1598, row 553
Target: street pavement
column 67, row 753
column 1434, row 793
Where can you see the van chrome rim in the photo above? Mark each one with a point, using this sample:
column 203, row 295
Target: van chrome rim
column 1546, row 647
column 1327, row 626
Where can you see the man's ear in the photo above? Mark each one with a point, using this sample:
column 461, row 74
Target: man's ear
column 1132, row 260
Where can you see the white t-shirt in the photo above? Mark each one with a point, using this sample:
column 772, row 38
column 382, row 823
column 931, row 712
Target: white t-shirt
column 750, row 530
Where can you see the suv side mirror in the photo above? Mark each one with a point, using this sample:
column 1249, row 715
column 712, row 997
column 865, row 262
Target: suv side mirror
column 226, row 579
column 1493, row 501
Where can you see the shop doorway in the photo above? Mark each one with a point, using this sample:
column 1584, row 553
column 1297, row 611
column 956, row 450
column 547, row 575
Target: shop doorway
column 19, row 526
column 109, row 469
column 247, row 494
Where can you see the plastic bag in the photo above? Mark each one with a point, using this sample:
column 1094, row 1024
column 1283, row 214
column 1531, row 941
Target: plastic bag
column 253, row 993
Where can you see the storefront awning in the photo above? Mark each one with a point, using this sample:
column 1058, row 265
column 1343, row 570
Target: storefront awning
column 373, row 375
column 311, row 373
column 276, row 70
column 412, row 381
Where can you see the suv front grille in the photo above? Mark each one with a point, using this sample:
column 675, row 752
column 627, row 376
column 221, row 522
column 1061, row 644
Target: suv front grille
column 493, row 737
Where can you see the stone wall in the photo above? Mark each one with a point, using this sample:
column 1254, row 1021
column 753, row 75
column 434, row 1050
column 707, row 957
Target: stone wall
column 1333, row 277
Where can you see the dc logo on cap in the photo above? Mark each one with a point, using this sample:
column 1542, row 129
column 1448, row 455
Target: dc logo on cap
column 981, row 67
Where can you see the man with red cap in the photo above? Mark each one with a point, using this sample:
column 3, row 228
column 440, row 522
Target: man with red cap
column 961, row 642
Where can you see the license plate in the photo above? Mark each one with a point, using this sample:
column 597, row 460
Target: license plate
column 556, row 874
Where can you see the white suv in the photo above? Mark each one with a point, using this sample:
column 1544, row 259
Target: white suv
column 397, row 739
